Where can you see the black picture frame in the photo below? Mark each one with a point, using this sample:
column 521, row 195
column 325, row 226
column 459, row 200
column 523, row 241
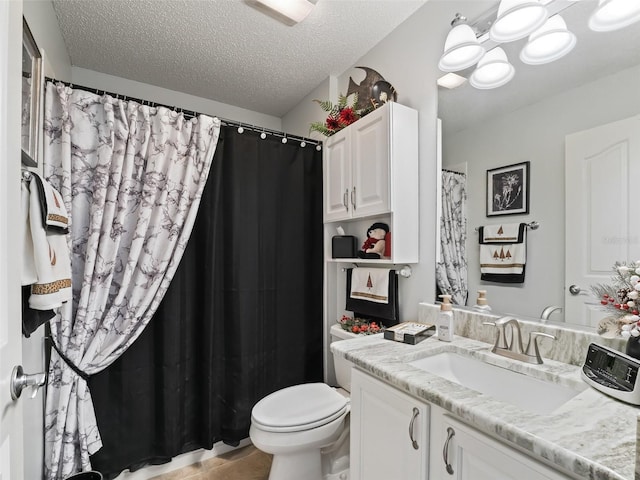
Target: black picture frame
column 508, row 190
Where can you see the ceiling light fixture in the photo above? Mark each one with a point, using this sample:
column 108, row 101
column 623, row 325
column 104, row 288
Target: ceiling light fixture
column 614, row 14
column 461, row 48
column 493, row 71
column 549, row 43
column 549, row 38
column 289, row 11
column 517, row 19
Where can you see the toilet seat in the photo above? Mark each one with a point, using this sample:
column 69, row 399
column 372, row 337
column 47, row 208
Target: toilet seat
column 299, row 408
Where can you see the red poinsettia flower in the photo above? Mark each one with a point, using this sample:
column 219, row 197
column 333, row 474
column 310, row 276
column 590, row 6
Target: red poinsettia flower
column 333, row 123
column 347, row 116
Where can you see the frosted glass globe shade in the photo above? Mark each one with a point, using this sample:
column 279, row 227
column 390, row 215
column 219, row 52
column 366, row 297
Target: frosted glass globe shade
column 461, row 49
column 614, row 14
column 517, row 19
column 549, row 43
column 493, row 71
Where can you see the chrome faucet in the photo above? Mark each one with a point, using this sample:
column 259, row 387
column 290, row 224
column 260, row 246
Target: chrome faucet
column 511, row 346
column 546, row 313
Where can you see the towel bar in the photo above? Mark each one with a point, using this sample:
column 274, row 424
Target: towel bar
column 532, row 225
column 405, row 271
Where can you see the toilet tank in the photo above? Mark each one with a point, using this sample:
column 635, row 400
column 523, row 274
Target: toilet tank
column 341, row 365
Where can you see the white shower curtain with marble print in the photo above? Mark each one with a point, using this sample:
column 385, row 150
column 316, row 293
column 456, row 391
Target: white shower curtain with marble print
column 451, row 270
column 132, row 177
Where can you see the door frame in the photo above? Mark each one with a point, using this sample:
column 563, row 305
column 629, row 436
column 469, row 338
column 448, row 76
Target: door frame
column 11, row 419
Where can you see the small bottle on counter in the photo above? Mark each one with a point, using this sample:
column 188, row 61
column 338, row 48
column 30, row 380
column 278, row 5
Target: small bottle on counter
column 445, row 319
column 481, row 302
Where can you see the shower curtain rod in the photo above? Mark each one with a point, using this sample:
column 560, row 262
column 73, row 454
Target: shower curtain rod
column 190, row 113
column 453, row 171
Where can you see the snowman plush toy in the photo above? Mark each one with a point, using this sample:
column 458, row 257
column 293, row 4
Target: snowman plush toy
column 373, row 247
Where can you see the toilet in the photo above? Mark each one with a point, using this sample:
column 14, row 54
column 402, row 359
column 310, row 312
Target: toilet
column 306, row 427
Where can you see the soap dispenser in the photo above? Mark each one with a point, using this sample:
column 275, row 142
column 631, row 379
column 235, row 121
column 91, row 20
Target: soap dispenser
column 445, row 319
column 481, row 302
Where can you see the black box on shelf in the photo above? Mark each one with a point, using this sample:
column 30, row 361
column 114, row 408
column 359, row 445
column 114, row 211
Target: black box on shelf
column 343, row 246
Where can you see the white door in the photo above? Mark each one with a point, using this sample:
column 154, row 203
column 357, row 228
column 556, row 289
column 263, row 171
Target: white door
column 11, row 441
column 601, row 177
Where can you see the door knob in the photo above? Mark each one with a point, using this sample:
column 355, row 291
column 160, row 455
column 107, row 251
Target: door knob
column 21, row 380
column 574, row 290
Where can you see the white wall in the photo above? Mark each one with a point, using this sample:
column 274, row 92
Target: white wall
column 536, row 134
column 43, row 24
column 297, row 121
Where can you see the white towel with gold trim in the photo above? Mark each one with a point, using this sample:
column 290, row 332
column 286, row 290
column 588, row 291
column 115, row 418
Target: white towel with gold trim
column 503, row 252
column 500, row 233
column 370, row 284
column 46, row 262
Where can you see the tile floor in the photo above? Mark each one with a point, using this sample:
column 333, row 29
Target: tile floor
column 247, row 463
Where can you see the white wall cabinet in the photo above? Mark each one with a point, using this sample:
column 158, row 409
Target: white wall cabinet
column 460, row 452
column 356, row 167
column 371, row 172
column 385, row 423
column 336, row 170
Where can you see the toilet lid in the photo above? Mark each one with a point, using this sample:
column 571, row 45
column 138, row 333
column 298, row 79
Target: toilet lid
column 297, row 408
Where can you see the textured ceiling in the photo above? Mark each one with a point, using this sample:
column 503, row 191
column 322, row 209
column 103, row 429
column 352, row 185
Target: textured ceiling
column 225, row 50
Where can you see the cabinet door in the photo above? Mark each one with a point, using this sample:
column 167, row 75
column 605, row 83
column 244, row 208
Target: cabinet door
column 337, row 177
column 370, row 153
column 383, row 420
column 472, row 455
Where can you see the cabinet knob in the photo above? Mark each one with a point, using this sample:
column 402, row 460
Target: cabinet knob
column 445, row 451
column 414, row 443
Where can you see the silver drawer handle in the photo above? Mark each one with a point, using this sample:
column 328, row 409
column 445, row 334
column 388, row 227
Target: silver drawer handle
column 445, row 451
column 345, row 199
column 414, row 443
column 353, row 197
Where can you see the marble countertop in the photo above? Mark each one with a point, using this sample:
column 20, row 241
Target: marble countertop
column 592, row 435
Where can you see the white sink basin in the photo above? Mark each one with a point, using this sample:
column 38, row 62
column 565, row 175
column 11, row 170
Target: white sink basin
column 523, row 391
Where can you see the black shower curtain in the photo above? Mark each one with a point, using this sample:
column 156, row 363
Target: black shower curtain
column 242, row 316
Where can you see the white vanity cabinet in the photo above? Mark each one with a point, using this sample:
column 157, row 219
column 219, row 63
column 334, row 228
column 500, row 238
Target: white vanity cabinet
column 385, row 422
column 370, row 171
column 460, row 452
column 389, row 432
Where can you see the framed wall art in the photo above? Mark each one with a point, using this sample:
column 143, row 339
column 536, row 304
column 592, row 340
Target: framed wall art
column 31, row 92
column 508, row 190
